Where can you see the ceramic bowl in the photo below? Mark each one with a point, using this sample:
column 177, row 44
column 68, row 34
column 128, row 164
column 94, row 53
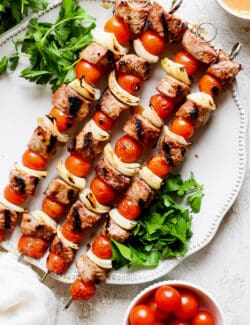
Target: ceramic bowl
column 232, row 12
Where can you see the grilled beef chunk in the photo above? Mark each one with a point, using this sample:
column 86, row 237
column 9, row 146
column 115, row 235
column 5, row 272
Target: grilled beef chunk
column 197, row 114
column 174, row 28
column 32, row 227
column 134, row 64
column 89, row 271
column 96, row 54
column 71, row 103
column 61, row 192
column 172, row 150
column 8, row 218
column 81, row 217
column 85, row 145
column 134, row 14
column 155, row 19
column 58, row 247
column 111, row 176
column 111, row 106
column 172, row 88
column 140, row 192
column 112, row 230
column 142, row 130
column 199, row 49
column 23, row 182
column 43, row 142
column 224, row 69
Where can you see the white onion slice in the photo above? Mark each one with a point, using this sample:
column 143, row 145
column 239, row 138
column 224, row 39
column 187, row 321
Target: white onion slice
column 90, row 201
column 40, row 216
column 150, row 178
column 31, row 172
column 98, row 133
column 175, row 70
column 12, row 206
column 85, row 89
column 65, row 241
column 77, row 182
column 202, row 99
column 102, row 262
column 123, row 222
column 176, row 138
column 150, row 114
column 143, row 53
column 47, row 123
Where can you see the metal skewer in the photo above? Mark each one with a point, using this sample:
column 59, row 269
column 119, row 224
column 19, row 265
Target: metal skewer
column 235, row 50
column 20, row 257
column 43, row 278
column 68, row 303
column 175, row 6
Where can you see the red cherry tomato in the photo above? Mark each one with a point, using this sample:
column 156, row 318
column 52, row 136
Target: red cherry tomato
column 69, row 233
column 117, row 26
column 183, row 127
column 210, row 85
column 159, row 314
column 167, row 298
column 128, row 149
column 159, row 166
column 63, row 121
column 81, row 290
column 89, row 71
column 203, row 317
column 52, row 208
column 179, row 322
column 153, row 42
column 162, row 105
column 56, row 264
column 101, row 247
column 129, row 208
column 103, row 192
column 13, row 196
column 142, row 315
column 33, row 160
column 129, row 82
column 32, row 246
column 188, row 307
column 191, row 64
column 103, row 121
column 77, row 165
column 2, row 233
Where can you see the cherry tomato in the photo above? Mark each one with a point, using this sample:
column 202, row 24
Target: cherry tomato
column 159, row 314
column 81, row 290
column 77, row 165
column 13, row 196
column 33, row 160
column 56, row 264
column 183, row 127
column 32, row 246
column 117, row 26
column 159, row 166
column 162, row 105
column 129, row 82
column 103, row 121
column 2, row 233
column 72, row 235
column 179, row 322
column 188, row 307
column 203, row 317
column 129, row 208
column 63, row 121
column 153, row 42
column 142, row 315
column 167, row 298
column 89, row 71
column 101, row 247
column 210, row 85
column 52, row 208
column 103, row 192
column 191, row 64
column 128, row 149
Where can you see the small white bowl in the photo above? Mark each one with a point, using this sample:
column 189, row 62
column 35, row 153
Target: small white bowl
column 231, row 11
column 206, row 300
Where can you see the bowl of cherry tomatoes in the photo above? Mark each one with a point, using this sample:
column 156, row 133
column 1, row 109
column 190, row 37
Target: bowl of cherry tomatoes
column 174, row 302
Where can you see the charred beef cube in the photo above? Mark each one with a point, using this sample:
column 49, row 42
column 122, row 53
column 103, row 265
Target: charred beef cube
column 61, row 192
column 174, row 28
column 172, row 150
column 89, row 271
column 225, row 70
column 155, row 19
column 111, row 106
column 112, row 230
column 142, row 130
column 43, row 142
column 134, row 14
column 98, row 55
column 32, row 227
column 111, row 176
column 173, row 88
column 23, row 182
column 60, row 248
column 199, row 49
column 134, row 64
column 8, row 218
column 71, row 103
column 82, row 218
column 140, row 192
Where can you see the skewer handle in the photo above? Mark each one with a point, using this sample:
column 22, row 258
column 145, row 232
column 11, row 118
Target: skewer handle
column 43, row 278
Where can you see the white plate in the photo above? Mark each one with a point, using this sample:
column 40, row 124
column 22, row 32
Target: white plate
column 217, row 156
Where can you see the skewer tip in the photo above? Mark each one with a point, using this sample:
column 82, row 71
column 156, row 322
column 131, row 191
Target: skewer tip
column 68, row 303
column 20, row 257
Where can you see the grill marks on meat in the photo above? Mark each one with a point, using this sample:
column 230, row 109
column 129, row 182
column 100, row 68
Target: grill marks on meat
column 89, row 271
column 172, row 150
column 96, row 54
column 71, row 103
column 112, row 230
column 174, row 28
column 58, row 247
column 133, row 64
column 154, row 20
column 111, row 176
column 142, row 130
column 199, row 49
column 61, row 192
column 111, row 106
column 140, row 192
column 8, row 218
column 172, row 88
column 32, row 227
column 23, row 182
column 225, row 70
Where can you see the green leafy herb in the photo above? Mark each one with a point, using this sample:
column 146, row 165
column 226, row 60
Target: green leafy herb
column 164, row 229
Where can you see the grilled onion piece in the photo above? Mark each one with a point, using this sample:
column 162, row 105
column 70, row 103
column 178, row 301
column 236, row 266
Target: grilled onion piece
column 90, row 201
column 175, row 70
column 84, row 89
column 50, row 124
column 123, row 222
column 77, row 182
column 150, row 178
column 143, row 53
column 104, row 263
